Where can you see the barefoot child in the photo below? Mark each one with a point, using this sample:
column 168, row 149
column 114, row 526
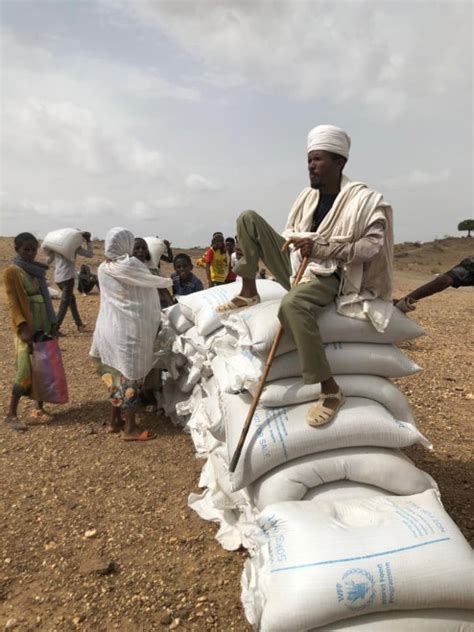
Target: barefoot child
column 126, row 328
column 31, row 312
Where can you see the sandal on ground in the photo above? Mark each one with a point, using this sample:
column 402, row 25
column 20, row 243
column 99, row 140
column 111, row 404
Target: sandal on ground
column 238, row 302
column 146, row 435
column 82, row 329
column 318, row 414
column 40, row 416
column 16, row 424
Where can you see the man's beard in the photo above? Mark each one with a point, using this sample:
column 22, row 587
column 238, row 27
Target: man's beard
column 315, row 182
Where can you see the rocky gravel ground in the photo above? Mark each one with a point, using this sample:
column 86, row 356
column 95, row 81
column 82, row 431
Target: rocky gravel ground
column 96, row 532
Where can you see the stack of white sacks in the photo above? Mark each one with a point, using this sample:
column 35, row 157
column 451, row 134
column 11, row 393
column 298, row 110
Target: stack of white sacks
column 343, row 530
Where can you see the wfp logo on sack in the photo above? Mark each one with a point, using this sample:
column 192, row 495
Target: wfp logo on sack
column 356, row 589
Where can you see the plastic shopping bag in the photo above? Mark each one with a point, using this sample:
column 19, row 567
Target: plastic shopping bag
column 49, row 378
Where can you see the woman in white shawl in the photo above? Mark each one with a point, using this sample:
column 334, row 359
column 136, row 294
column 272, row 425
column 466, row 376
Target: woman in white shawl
column 126, row 328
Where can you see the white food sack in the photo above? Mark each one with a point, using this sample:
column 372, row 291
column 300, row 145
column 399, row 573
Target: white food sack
column 236, row 372
column 157, row 248
column 177, row 319
column 200, row 306
column 255, row 328
column 171, row 397
column 243, row 369
column 279, row 435
column 291, row 391
column 343, row 491
column 187, row 407
column 203, row 345
column 326, row 562
column 388, row 469
column 433, row 620
column 231, row 510
column 351, row 358
column 64, row 241
column 204, row 442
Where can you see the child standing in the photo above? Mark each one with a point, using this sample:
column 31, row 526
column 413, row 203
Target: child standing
column 142, row 253
column 216, row 261
column 184, row 281
column 230, row 248
column 31, row 312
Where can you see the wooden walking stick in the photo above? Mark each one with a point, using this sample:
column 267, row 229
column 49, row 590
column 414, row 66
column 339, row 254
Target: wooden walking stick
column 263, row 379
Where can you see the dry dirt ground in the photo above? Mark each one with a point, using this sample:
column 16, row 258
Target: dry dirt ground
column 151, row 563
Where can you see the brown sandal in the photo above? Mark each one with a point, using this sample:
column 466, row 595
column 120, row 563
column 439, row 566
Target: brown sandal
column 233, row 306
column 318, row 414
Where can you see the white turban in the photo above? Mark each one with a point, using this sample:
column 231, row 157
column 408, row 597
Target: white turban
column 118, row 242
column 329, row 138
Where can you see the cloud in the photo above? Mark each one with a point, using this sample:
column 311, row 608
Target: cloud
column 66, row 133
column 16, row 207
column 418, row 178
column 366, row 51
column 75, row 142
column 141, row 120
column 149, row 84
column 196, row 183
column 153, row 209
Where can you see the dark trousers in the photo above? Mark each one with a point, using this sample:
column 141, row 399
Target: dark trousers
column 68, row 300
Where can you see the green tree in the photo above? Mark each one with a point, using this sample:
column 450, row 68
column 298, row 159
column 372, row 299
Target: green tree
column 467, row 224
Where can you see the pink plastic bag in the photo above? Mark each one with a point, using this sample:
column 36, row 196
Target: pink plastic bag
column 48, row 376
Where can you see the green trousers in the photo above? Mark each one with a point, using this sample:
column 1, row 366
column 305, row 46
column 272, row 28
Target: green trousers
column 301, row 307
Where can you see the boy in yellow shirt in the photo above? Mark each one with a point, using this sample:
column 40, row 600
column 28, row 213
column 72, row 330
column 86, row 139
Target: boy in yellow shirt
column 216, row 260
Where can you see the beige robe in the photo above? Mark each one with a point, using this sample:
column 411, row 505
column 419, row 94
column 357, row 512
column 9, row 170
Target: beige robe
column 356, row 209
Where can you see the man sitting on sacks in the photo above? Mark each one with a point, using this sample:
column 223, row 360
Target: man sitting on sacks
column 345, row 228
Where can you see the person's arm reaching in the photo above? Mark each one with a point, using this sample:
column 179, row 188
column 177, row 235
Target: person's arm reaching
column 407, row 303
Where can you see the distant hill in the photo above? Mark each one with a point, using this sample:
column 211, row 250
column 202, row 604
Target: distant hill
column 429, row 258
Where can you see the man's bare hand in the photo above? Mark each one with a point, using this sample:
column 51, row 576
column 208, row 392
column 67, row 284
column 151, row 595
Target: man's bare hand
column 305, row 246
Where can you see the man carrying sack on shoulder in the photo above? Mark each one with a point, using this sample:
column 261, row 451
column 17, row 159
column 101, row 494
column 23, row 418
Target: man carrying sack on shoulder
column 345, row 229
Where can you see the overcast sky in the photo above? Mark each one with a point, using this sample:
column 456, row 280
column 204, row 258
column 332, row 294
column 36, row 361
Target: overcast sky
column 171, row 117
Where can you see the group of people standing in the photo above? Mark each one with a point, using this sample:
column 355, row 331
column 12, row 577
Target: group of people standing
column 132, row 293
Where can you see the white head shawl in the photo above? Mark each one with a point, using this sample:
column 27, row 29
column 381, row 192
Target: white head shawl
column 118, row 242
column 123, row 266
column 329, row 138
